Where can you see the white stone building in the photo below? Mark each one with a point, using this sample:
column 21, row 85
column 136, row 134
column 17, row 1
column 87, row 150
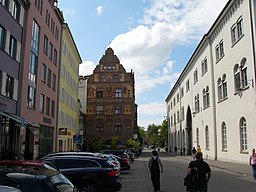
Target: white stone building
column 213, row 102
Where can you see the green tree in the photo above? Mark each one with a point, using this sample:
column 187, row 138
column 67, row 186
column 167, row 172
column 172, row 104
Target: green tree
column 153, row 134
column 97, row 144
column 113, row 143
column 133, row 144
column 163, row 134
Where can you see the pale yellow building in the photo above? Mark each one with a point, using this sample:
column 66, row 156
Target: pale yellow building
column 68, row 106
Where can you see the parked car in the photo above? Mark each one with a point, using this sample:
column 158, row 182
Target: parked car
column 112, row 159
column 71, row 153
column 124, row 162
column 88, row 173
column 8, row 189
column 120, row 153
column 123, row 157
column 28, row 179
column 29, row 164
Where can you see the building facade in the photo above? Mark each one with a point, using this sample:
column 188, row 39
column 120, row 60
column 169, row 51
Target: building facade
column 40, row 75
column 68, row 107
column 12, row 126
column 111, row 110
column 212, row 104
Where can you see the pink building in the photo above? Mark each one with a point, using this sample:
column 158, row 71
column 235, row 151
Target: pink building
column 39, row 76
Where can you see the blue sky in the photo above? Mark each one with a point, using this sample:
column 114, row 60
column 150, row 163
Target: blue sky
column 154, row 38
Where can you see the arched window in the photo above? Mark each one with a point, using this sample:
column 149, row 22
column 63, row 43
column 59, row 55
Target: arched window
column 222, row 88
column 225, row 87
column 99, row 127
column 207, row 142
column 244, row 73
column 224, row 136
column 243, row 134
column 219, row 89
column 237, row 79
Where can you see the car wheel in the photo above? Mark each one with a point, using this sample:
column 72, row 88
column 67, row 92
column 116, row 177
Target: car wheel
column 89, row 188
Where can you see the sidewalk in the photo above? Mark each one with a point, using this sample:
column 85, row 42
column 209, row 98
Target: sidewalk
column 239, row 168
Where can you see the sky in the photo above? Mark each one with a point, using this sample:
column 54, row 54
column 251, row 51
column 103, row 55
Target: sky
column 153, row 38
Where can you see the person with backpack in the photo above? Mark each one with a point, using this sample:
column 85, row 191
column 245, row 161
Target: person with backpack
column 198, row 174
column 155, row 166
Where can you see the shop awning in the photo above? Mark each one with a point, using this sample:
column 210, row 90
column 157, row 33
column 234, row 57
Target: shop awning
column 12, row 116
column 19, row 120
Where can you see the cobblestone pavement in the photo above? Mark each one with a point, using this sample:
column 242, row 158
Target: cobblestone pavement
column 137, row 179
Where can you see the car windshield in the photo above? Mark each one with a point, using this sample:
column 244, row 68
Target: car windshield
column 62, row 184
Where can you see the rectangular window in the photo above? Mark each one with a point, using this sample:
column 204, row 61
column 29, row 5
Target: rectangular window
column 45, row 49
column 102, row 78
column 118, row 110
column 55, row 56
column 187, row 85
column 2, row 37
column 31, row 97
column 35, row 36
column 49, row 78
column 115, row 78
column 41, row 105
column 53, row 109
column 9, row 86
column 237, row 31
column 12, row 47
column 99, row 109
column 195, row 76
column 43, row 73
column 4, row 3
column 47, row 112
column 99, row 93
column 50, row 51
column 16, row 10
column 204, row 66
column 240, row 28
column 32, row 67
column 219, row 51
column 118, row 93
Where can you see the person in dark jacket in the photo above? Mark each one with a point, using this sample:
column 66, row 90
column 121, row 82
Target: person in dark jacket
column 204, row 173
column 155, row 166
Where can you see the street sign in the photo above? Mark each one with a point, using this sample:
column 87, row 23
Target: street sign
column 77, row 139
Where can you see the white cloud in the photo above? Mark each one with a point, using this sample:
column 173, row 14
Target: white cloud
column 99, row 10
column 152, row 108
column 70, row 12
column 86, row 68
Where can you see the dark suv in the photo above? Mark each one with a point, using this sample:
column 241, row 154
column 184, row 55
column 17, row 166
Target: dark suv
column 87, row 173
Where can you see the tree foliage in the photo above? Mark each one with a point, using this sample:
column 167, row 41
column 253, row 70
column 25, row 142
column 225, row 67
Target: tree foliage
column 158, row 134
column 97, row 144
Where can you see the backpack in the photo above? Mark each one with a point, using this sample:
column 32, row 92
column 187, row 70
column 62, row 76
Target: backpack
column 154, row 165
column 191, row 180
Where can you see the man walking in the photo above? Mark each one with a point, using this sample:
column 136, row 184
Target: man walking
column 155, row 167
column 203, row 173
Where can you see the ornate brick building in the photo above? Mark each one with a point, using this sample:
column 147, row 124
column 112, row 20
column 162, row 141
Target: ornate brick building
column 111, row 110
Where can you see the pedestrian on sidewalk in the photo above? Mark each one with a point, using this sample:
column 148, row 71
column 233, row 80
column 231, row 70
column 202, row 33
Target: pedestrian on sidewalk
column 194, row 152
column 252, row 162
column 203, row 174
column 155, row 166
column 198, row 149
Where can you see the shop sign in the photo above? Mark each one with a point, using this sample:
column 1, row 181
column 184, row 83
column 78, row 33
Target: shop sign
column 63, row 131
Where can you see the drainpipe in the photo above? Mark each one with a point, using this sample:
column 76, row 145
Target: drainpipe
column 252, row 32
column 180, row 119
column 213, row 100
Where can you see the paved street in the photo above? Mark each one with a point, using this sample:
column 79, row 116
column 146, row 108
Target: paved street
column 226, row 176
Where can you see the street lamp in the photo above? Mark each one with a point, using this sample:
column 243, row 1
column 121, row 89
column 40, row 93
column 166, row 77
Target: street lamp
column 240, row 90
